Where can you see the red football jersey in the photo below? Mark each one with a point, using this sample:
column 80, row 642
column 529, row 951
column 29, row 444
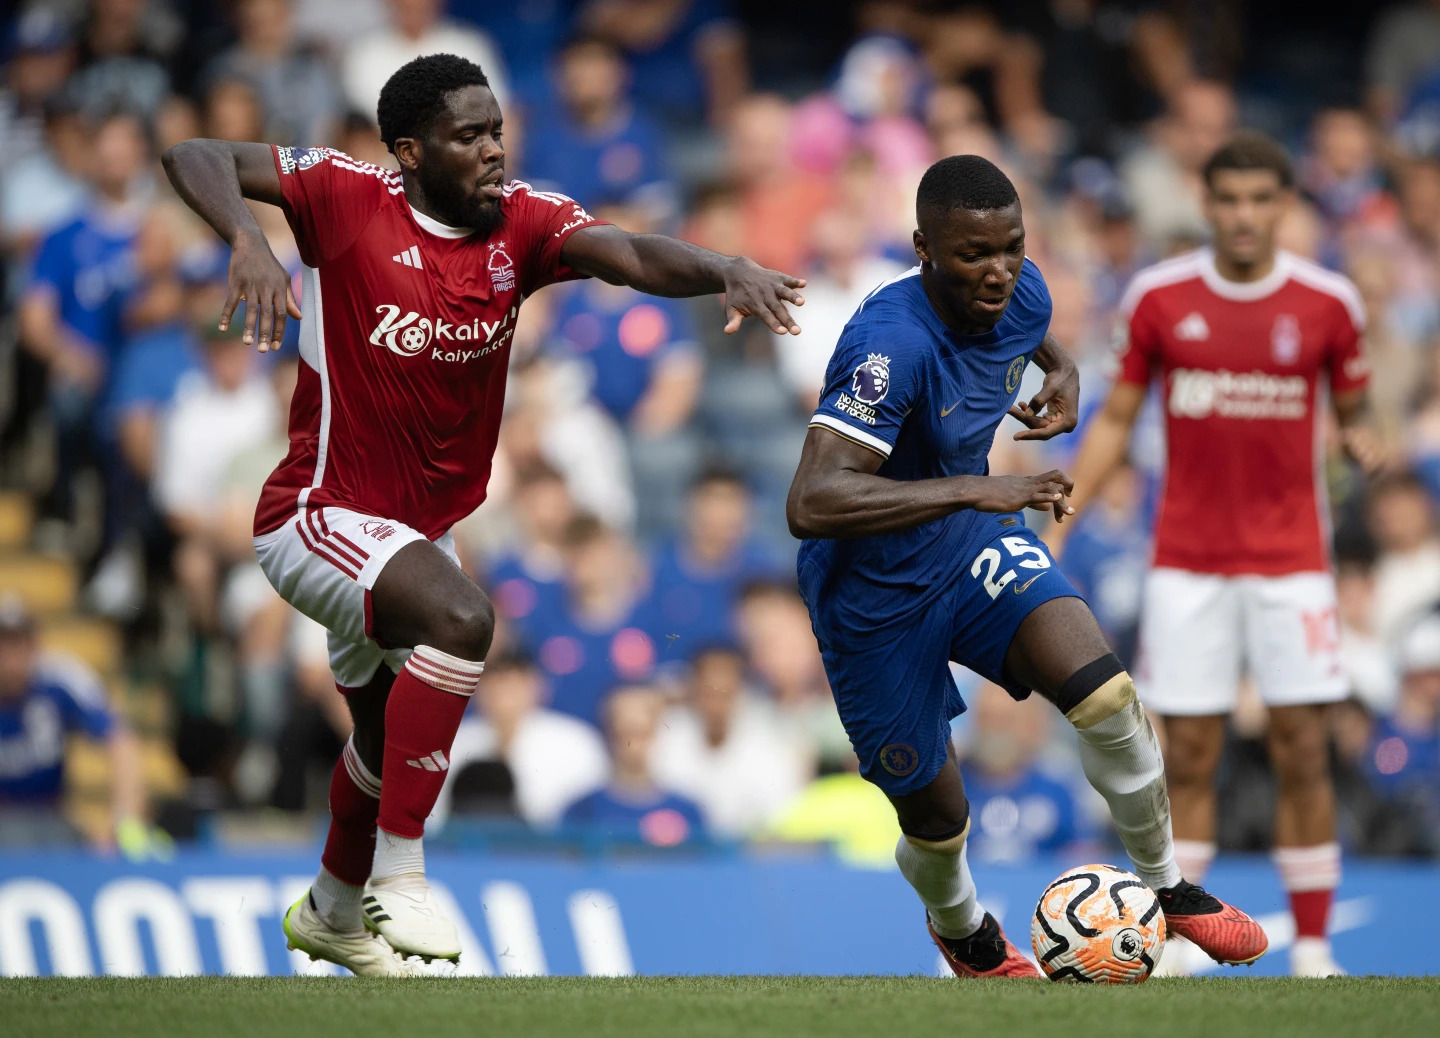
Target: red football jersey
column 1245, row 400
column 405, row 342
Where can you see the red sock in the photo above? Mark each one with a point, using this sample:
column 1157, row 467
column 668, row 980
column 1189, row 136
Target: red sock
column 1310, row 876
column 1311, row 909
column 423, row 712
column 354, row 806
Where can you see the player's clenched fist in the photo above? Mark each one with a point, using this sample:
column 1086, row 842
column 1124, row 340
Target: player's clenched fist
column 1012, row 493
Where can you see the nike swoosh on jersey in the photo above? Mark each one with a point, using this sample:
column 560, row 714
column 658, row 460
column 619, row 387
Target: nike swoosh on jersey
column 947, row 410
column 1020, row 588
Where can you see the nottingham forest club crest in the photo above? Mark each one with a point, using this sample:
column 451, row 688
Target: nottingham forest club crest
column 872, row 379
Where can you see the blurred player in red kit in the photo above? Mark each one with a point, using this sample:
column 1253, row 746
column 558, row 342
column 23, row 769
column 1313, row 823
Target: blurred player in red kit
column 1249, row 343
column 413, row 280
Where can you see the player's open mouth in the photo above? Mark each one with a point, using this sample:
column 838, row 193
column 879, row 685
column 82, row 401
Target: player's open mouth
column 493, row 185
column 991, row 306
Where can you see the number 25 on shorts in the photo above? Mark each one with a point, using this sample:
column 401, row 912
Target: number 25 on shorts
column 990, row 560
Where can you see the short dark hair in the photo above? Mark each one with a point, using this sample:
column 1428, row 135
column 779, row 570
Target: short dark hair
column 415, row 94
column 721, row 474
column 963, row 182
column 1251, row 149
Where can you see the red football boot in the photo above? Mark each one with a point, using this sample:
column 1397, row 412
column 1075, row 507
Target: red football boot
column 1222, row 932
column 985, row 953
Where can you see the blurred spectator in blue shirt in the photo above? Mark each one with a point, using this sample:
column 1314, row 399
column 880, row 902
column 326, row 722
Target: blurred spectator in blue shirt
column 1404, row 759
column 645, row 369
column 632, row 806
column 688, row 56
column 1106, row 557
column 699, row 575
column 42, row 701
column 595, row 145
column 639, row 351
column 598, row 639
column 528, row 35
column 527, row 582
column 1016, row 811
column 71, row 316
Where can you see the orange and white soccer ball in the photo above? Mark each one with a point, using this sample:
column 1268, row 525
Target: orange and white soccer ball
column 1097, row 924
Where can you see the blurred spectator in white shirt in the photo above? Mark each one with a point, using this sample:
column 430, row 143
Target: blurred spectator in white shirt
column 554, row 759
column 724, row 748
column 843, row 272
column 1163, row 177
column 1407, row 576
column 415, row 27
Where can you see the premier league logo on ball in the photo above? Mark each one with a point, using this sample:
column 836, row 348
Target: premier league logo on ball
column 872, row 380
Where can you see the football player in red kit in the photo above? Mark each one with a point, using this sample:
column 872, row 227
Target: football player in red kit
column 412, row 284
column 1249, row 342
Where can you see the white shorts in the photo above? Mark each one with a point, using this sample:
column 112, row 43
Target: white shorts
column 324, row 562
column 1198, row 630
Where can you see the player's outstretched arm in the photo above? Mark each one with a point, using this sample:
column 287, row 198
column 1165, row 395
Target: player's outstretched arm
column 1357, row 434
column 1056, row 408
column 665, row 266
column 214, row 178
column 837, row 494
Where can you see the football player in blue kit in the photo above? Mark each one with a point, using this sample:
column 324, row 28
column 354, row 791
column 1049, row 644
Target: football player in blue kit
column 914, row 556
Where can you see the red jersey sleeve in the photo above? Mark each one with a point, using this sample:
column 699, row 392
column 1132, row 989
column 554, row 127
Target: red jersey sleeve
column 540, row 222
column 329, row 198
column 1349, row 365
column 1139, row 345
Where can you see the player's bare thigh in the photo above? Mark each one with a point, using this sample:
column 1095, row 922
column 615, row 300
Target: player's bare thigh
column 1052, row 643
column 422, row 598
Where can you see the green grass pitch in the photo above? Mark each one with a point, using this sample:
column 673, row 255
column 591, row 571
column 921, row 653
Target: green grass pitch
column 793, row 1007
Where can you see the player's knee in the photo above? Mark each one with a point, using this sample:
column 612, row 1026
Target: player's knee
column 466, row 628
column 940, row 843
column 1300, row 752
column 1097, row 691
column 942, row 831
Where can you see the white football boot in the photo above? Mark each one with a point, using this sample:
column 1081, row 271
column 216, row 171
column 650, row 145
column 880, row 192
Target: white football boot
column 402, row 910
column 1311, row 957
column 364, row 954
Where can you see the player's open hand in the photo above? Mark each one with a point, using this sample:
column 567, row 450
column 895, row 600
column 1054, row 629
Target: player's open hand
column 753, row 291
column 257, row 277
column 1053, row 410
column 1365, row 448
column 1012, row 493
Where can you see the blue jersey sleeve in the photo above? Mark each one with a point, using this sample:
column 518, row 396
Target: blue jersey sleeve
column 875, row 376
column 82, row 699
column 53, row 267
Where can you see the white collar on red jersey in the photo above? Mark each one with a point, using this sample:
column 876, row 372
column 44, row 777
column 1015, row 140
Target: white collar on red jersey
column 1244, row 291
column 435, row 227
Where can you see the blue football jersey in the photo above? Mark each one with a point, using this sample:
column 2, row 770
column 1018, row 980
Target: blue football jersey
column 928, row 400
column 63, row 696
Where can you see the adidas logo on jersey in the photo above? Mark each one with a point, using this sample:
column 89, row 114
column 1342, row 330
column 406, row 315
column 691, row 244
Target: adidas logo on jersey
column 410, row 257
column 1193, row 328
column 431, row 762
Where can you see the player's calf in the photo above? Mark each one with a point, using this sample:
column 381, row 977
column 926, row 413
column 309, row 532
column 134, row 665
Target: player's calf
column 1121, row 758
column 968, row 937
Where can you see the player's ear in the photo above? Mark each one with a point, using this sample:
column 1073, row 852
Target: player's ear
column 922, row 248
column 407, row 152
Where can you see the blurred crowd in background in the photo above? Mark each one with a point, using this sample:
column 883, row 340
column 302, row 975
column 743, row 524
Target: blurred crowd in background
column 654, row 677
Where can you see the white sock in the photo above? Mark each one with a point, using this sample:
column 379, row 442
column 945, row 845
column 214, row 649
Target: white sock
column 397, row 855
column 1121, row 758
column 945, row 885
column 1308, row 868
column 1194, row 858
column 337, row 902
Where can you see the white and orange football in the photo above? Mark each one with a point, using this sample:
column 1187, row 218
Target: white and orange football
column 1097, row 924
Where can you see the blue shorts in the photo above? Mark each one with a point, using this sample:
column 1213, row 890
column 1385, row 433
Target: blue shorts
column 894, row 692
